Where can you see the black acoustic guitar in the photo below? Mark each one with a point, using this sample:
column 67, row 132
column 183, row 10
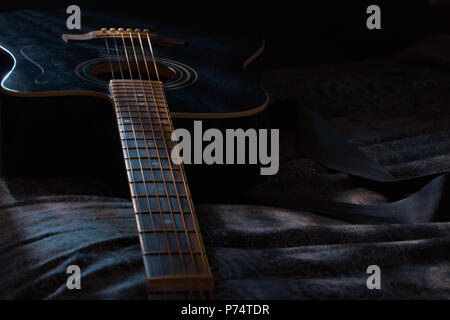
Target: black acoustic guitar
column 150, row 75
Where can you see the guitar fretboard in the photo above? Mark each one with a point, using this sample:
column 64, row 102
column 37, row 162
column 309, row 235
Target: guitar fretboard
column 172, row 248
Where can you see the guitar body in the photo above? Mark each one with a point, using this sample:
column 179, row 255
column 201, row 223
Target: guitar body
column 208, row 78
column 70, row 115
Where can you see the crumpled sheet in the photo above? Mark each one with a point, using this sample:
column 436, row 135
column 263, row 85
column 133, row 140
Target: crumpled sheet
column 255, row 252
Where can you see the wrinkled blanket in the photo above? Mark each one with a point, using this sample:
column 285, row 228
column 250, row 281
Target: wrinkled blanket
column 255, row 252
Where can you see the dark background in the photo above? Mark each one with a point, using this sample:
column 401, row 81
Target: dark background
column 297, row 32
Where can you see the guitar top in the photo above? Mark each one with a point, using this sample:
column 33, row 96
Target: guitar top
column 204, row 75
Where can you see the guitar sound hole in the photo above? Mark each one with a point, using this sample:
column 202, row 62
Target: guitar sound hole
column 138, row 71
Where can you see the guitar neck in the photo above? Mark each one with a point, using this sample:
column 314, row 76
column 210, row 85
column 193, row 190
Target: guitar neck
column 172, row 248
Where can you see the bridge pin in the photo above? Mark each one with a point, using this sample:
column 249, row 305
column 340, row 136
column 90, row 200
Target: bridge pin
column 129, row 30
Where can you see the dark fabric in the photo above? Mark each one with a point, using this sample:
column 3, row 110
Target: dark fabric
column 255, row 252
column 381, row 126
column 392, row 114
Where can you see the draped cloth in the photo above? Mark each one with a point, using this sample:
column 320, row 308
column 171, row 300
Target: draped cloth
column 364, row 157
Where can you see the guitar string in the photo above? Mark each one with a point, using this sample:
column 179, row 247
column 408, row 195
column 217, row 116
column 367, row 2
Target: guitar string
column 146, row 145
column 159, row 158
column 186, row 187
column 171, row 170
column 140, row 161
column 132, row 175
column 165, row 141
column 189, row 198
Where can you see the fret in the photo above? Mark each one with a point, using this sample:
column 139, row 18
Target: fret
column 154, row 243
column 151, row 203
column 145, row 135
column 173, row 252
column 163, row 188
column 125, row 105
column 144, row 116
column 136, row 117
column 147, row 204
column 172, row 199
column 139, row 93
column 153, row 87
column 139, row 175
column 147, row 163
column 142, row 143
column 145, row 127
column 142, row 152
column 144, row 96
column 149, row 221
column 133, row 95
column 152, row 222
column 142, row 121
column 141, row 113
column 147, row 175
column 177, row 252
column 168, row 230
column 140, row 89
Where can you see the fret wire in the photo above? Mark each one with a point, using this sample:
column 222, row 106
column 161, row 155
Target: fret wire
column 141, row 156
column 180, row 206
column 143, row 130
column 117, row 104
column 184, row 178
column 148, row 202
column 123, row 91
column 205, row 262
column 148, row 181
column 138, row 102
column 149, row 156
column 167, row 229
column 186, row 187
column 198, row 253
column 164, row 141
column 141, row 134
column 169, row 195
column 128, row 121
column 157, row 152
column 157, row 197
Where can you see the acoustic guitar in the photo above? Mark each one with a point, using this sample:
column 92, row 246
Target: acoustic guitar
column 150, row 75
